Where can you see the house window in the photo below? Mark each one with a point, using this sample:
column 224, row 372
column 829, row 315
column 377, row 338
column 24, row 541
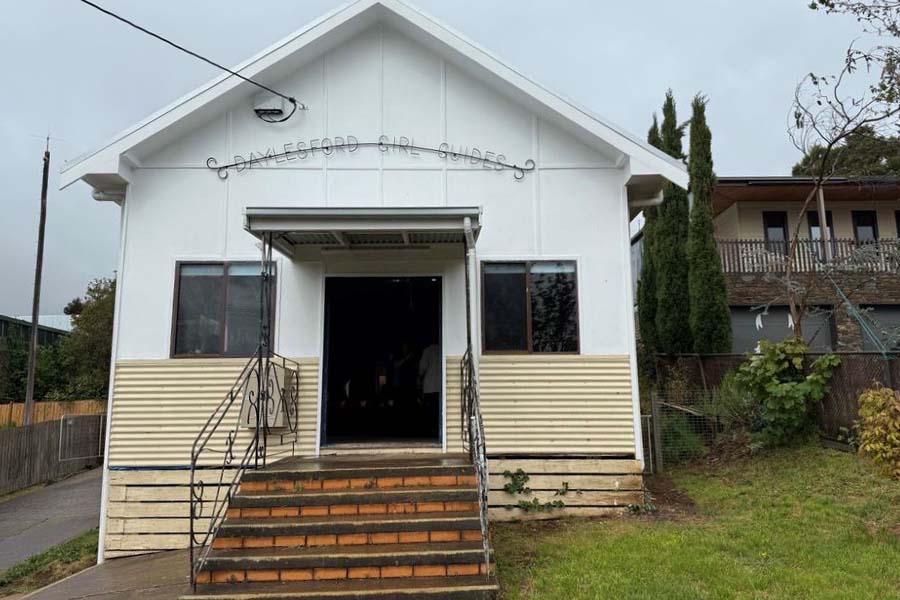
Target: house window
column 530, row 307
column 775, row 229
column 865, row 226
column 216, row 309
column 815, row 230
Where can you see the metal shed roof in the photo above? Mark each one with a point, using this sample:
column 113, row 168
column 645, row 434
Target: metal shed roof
column 361, row 227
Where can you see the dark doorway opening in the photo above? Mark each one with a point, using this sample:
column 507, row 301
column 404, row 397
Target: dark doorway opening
column 383, row 362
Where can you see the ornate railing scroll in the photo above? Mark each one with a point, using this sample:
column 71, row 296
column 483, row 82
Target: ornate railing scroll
column 262, row 403
column 473, row 441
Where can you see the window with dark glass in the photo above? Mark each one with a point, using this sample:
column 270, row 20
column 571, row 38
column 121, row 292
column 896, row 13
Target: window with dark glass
column 530, row 307
column 815, row 229
column 216, row 309
column 815, row 232
column 865, row 226
column 775, row 229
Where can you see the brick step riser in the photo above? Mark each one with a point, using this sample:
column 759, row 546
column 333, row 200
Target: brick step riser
column 346, row 539
column 351, row 509
column 361, row 483
column 333, row 573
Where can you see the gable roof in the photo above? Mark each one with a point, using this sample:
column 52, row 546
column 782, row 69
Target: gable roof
column 108, row 169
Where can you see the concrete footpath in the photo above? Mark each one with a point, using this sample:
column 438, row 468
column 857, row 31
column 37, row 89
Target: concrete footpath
column 162, row 576
column 35, row 521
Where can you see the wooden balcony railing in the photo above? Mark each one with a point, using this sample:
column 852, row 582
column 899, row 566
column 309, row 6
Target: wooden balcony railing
column 760, row 256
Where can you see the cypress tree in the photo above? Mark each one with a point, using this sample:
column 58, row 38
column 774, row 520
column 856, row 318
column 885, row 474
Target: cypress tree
column 647, row 284
column 670, row 249
column 710, row 317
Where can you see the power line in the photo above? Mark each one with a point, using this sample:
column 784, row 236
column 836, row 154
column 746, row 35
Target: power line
column 290, row 99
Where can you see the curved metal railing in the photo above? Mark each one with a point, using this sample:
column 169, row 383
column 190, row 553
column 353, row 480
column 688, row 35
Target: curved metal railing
column 473, row 441
column 262, row 401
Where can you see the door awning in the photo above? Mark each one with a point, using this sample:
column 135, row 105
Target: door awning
column 361, row 227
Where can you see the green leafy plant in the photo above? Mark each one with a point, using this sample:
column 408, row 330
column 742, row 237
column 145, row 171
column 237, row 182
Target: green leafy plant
column 849, row 436
column 879, row 428
column 733, row 407
column 535, row 505
column 787, row 388
column 517, row 483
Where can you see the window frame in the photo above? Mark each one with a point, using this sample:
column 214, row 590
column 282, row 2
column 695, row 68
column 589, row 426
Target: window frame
column 225, row 264
column 771, row 245
column 528, row 318
column 829, row 218
column 855, row 216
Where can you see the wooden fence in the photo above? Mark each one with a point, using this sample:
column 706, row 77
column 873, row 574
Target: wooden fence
column 840, row 407
column 50, row 450
column 762, row 256
column 14, row 412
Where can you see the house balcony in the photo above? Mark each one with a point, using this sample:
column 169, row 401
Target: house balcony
column 741, row 256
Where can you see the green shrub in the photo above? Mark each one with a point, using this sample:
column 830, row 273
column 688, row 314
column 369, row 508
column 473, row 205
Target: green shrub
column 786, row 388
column 680, row 442
column 879, row 428
column 733, row 407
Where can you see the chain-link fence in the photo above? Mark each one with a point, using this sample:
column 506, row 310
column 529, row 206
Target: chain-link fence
column 680, row 429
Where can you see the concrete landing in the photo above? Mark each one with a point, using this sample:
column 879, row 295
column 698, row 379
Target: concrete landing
column 36, row 520
column 161, row 576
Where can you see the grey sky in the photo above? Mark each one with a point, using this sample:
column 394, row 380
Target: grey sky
column 84, row 77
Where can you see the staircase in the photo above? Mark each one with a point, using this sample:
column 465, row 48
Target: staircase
column 339, row 528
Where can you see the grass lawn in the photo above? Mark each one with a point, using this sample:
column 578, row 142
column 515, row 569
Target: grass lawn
column 795, row 523
column 54, row 564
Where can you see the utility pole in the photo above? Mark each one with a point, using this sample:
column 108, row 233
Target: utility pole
column 36, row 301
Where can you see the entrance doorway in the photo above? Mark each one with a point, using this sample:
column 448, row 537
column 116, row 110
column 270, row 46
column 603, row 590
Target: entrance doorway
column 383, row 369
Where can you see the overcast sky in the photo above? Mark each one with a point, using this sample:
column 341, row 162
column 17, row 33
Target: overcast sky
column 83, row 77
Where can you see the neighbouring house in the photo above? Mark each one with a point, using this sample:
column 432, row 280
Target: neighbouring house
column 755, row 220
column 430, row 240
column 50, row 328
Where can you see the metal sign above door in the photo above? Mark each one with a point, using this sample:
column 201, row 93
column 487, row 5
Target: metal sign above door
column 292, row 151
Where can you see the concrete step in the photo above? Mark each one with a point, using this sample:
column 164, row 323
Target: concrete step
column 349, row 502
column 379, row 528
column 351, row 562
column 331, row 474
column 349, row 530
column 424, row 588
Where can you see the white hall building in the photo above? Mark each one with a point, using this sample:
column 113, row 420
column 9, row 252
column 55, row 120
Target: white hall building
column 418, row 168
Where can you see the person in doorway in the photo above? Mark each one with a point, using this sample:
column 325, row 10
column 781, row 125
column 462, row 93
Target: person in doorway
column 430, row 383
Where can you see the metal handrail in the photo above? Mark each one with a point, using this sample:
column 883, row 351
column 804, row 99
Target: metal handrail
column 473, row 441
column 268, row 386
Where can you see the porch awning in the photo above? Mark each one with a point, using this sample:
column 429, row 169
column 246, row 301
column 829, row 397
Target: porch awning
column 361, row 227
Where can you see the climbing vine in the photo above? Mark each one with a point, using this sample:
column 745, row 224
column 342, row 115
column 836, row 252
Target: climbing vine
column 517, row 484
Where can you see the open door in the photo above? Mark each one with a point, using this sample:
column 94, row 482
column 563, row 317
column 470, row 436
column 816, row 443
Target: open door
column 383, row 368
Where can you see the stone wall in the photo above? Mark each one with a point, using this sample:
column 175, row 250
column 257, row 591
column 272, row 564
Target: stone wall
column 753, row 289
